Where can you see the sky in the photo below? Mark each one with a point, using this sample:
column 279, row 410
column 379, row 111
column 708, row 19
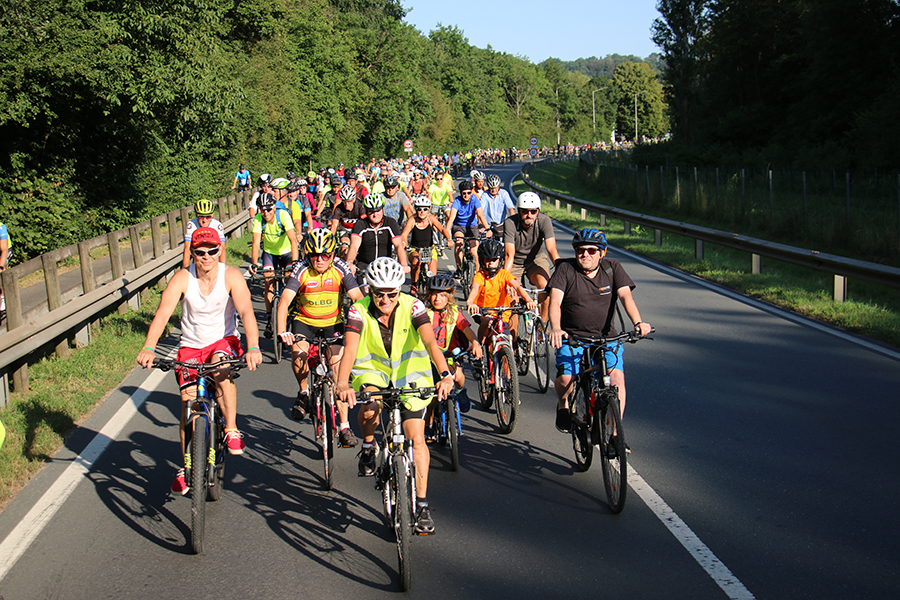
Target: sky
column 538, row 29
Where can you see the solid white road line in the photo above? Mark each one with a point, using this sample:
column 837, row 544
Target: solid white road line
column 20, row 538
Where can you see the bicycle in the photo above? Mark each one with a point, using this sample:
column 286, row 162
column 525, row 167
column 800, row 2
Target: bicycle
column 498, row 379
column 447, row 416
column 279, row 276
column 395, row 476
column 466, row 271
column 533, row 344
column 205, row 437
column 597, row 418
column 425, row 257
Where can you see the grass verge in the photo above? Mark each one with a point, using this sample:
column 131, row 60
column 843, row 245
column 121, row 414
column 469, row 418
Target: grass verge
column 872, row 310
column 64, row 392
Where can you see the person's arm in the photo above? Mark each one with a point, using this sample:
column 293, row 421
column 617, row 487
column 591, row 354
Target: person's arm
column 254, row 250
column 234, row 185
column 470, row 301
column 355, row 294
column 240, row 295
column 287, row 297
column 510, row 249
column 355, row 243
column 550, row 243
column 342, row 386
column 556, row 334
column 170, row 298
column 401, row 252
column 632, row 311
column 479, row 213
column 436, row 223
column 295, row 250
column 451, row 218
column 4, row 253
column 514, row 284
column 407, row 227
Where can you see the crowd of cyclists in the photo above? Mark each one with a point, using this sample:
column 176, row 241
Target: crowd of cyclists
column 345, row 232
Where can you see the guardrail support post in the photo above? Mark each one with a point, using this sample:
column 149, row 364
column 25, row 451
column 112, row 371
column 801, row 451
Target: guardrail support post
column 657, row 237
column 698, row 249
column 569, row 208
column 4, row 390
column 54, row 297
column 756, row 264
column 626, row 226
column 557, row 203
column 602, row 220
column 115, row 262
column 583, row 214
column 840, row 288
column 185, row 219
column 173, row 238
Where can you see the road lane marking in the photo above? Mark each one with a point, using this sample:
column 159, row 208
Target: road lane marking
column 714, row 567
column 20, row 538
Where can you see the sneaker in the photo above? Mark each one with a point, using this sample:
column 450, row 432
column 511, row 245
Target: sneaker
column 268, row 332
column 563, row 420
column 431, row 435
column 180, row 486
column 463, row 399
column 424, row 522
column 366, row 461
column 611, row 452
column 347, row 439
column 234, row 442
column 298, row 411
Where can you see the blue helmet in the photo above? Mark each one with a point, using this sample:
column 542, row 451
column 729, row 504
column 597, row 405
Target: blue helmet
column 590, row 236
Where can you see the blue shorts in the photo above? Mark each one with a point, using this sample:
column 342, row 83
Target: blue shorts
column 568, row 359
column 275, row 261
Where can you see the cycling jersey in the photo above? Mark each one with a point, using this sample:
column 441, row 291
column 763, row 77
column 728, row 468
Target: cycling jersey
column 274, row 233
column 243, row 177
column 194, row 224
column 348, row 218
column 376, row 239
column 320, row 296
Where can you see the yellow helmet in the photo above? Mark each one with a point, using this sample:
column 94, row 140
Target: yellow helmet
column 204, row 208
column 320, row 241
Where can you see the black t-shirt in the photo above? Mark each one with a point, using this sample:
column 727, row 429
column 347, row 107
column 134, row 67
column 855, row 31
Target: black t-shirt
column 589, row 304
column 348, row 218
column 376, row 239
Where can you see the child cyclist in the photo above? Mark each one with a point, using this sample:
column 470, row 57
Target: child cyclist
column 490, row 288
column 449, row 324
column 419, row 233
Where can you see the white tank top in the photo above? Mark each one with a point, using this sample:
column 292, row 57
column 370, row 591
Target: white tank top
column 206, row 319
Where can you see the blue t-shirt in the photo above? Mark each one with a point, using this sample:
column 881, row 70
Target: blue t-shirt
column 243, row 177
column 465, row 212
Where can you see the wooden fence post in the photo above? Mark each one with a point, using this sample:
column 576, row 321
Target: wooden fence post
column 83, row 335
column 173, row 237
column 13, row 320
column 54, row 296
column 115, row 263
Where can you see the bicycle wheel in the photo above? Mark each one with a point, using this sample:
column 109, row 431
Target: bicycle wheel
column 485, row 390
column 216, row 484
column 541, row 352
column 278, row 343
column 506, row 382
column 328, row 434
column 524, row 343
column 452, row 431
column 403, row 520
column 581, row 427
column 199, row 454
column 612, row 451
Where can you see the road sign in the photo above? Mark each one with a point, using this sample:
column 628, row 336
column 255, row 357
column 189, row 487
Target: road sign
column 532, row 152
column 407, row 145
column 533, row 141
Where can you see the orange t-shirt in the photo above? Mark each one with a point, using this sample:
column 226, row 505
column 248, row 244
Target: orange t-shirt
column 493, row 291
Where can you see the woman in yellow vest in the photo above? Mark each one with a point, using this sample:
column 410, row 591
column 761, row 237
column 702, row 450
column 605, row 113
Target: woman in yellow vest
column 388, row 341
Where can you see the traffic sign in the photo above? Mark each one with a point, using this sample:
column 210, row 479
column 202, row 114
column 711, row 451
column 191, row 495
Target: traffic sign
column 407, row 145
column 534, row 141
column 532, row 152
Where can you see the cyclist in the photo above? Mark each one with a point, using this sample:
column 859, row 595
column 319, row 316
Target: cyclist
column 583, row 295
column 470, row 213
column 375, row 235
column 419, row 233
column 478, row 181
column 212, row 297
column 440, row 191
column 329, row 198
column 279, row 239
column 418, row 185
column 526, row 235
column 241, row 179
column 345, row 216
column 204, row 210
column 314, row 295
column 264, row 183
column 5, row 255
column 388, row 341
column 490, row 288
column 497, row 205
column 298, row 203
column 351, row 180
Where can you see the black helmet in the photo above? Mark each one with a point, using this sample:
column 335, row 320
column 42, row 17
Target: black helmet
column 291, row 175
column 350, row 174
column 267, row 200
column 489, row 250
column 391, row 182
column 335, row 180
column 465, row 185
column 294, row 186
column 442, row 282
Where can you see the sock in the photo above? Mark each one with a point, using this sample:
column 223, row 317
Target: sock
column 421, row 502
column 345, row 426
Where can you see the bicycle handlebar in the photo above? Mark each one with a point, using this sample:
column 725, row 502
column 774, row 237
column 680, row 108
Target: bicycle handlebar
column 630, row 337
column 167, row 364
column 396, row 393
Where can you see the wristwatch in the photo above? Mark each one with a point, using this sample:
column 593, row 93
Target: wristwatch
column 446, row 374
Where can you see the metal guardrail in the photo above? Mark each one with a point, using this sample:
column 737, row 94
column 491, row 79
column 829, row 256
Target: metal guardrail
column 841, row 267
column 70, row 312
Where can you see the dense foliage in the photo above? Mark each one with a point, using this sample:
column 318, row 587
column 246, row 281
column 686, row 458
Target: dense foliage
column 795, row 82
column 113, row 111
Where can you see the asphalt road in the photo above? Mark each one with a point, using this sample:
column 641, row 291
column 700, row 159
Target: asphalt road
column 764, row 441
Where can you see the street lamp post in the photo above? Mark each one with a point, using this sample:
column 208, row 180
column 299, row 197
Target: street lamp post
column 594, row 107
column 636, row 94
column 557, row 112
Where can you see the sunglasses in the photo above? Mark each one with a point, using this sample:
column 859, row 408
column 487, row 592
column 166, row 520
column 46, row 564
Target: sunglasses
column 466, row 193
column 583, row 250
column 268, row 208
column 325, row 255
column 530, row 211
column 388, row 295
column 211, row 252
column 422, row 208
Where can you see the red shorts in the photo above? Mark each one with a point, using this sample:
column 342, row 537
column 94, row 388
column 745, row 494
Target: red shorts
column 229, row 346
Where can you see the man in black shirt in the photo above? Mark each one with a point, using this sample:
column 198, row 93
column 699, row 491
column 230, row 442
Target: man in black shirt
column 375, row 235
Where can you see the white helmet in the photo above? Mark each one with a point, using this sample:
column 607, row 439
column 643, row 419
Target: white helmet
column 422, row 201
column 528, row 200
column 385, row 273
column 476, row 174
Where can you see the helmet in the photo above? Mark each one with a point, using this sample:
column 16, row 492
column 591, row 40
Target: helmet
column 442, row 282
column 391, row 182
column 350, row 174
column 319, row 241
column 311, row 175
column 204, row 208
column 373, row 202
column 421, row 201
column 362, row 176
column 265, row 179
column 465, row 184
column 590, row 236
column 477, row 175
column 493, row 182
column 334, row 180
column 348, row 192
column 331, row 171
column 291, row 175
column 280, row 183
column 489, row 250
column 385, row 273
column 294, row 186
column 528, row 200
column 267, row 201
column 301, row 182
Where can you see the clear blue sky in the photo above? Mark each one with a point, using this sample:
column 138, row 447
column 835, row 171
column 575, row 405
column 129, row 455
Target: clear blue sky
column 539, row 29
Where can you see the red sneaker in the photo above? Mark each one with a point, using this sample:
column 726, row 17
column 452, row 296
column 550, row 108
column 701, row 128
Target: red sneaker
column 180, row 486
column 234, row 442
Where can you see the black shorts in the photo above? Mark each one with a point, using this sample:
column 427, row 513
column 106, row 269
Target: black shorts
column 309, row 331
column 468, row 231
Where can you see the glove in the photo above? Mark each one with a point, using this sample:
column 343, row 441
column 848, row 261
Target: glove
column 253, row 269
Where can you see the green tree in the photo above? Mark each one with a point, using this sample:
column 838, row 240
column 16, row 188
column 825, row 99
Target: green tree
column 640, row 94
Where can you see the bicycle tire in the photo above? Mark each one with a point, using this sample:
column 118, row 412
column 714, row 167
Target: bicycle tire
column 523, row 354
column 615, row 463
column 217, row 483
column 199, row 454
column 541, row 357
column 278, row 343
column 506, row 384
column 452, row 432
column 579, row 409
column 403, row 521
column 328, row 435
column 485, row 390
